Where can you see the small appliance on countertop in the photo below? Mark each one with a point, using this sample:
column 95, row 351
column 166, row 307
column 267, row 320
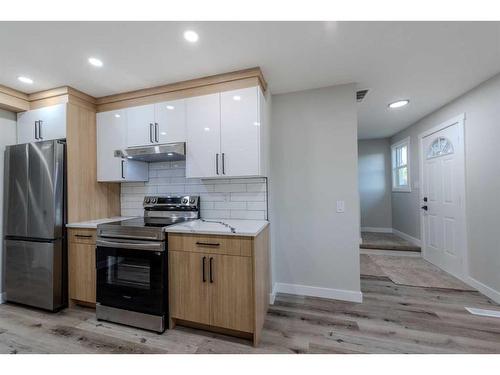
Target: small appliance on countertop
column 131, row 263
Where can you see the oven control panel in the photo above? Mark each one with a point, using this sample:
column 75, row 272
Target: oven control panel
column 185, row 201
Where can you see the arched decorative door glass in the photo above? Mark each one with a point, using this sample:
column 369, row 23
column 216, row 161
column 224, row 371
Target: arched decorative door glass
column 441, row 146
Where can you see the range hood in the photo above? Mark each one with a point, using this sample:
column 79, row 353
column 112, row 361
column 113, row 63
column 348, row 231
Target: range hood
column 154, row 153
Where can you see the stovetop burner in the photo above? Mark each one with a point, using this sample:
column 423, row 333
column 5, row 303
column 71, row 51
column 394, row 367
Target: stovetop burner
column 159, row 212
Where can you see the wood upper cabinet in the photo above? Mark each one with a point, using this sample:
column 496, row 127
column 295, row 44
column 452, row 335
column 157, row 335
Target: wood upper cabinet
column 42, row 124
column 111, row 136
column 81, row 265
column 226, row 134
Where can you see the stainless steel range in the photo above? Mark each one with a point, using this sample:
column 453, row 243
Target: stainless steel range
column 131, row 262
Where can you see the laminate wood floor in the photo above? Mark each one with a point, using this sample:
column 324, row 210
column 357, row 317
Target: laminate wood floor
column 392, row 319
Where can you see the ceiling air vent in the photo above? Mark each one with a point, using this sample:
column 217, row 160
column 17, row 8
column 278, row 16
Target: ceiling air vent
column 360, row 95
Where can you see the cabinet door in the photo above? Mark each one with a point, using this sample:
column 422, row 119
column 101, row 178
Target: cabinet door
column 140, row 125
column 188, row 289
column 203, row 136
column 26, row 127
column 52, row 122
column 81, row 272
column 240, row 132
column 111, row 136
column 231, row 292
column 170, row 119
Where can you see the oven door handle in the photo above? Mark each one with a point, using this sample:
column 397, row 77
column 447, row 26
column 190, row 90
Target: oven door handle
column 131, row 245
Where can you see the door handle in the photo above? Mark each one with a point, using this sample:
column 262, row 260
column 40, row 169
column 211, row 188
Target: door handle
column 223, row 164
column 425, row 208
column 211, row 269
column 36, row 129
column 151, row 132
column 123, row 172
column 203, row 268
column 217, row 163
column 157, row 131
column 40, row 129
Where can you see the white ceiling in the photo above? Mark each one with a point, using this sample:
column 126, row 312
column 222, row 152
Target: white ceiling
column 429, row 63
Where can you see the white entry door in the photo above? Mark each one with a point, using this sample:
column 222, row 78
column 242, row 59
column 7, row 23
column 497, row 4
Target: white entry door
column 442, row 196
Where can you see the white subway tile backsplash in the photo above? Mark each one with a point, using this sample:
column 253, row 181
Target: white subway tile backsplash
column 238, row 198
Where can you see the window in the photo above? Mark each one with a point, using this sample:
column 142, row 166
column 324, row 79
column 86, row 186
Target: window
column 441, row 146
column 401, row 166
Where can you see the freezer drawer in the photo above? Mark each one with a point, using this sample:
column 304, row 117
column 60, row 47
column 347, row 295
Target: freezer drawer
column 34, row 273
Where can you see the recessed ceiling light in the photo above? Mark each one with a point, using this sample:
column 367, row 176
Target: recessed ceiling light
column 191, row 36
column 171, row 107
column 117, row 115
column 237, row 98
column 399, row 104
column 206, row 129
column 94, row 61
column 25, row 80
column 256, row 123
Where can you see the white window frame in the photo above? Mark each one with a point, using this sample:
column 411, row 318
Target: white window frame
column 394, row 147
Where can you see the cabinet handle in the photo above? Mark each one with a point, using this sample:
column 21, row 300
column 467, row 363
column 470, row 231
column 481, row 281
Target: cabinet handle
column 151, row 132
column 157, row 131
column 83, row 235
column 123, row 172
column 211, row 269
column 203, row 268
column 207, row 244
column 217, row 163
column 40, row 129
column 223, row 164
column 36, row 129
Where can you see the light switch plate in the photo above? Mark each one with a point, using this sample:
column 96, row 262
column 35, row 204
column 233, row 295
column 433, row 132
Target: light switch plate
column 340, row 206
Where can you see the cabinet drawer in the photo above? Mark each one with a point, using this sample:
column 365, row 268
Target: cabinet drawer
column 210, row 244
column 84, row 236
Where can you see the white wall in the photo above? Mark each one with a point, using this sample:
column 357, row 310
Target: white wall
column 313, row 164
column 220, row 198
column 7, row 137
column 375, row 188
column 482, row 144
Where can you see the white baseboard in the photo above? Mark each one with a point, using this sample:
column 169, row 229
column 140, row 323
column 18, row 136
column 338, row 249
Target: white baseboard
column 314, row 291
column 399, row 253
column 2, row 298
column 376, row 230
column 407, row 237
column 483, row 312
column 485, row 289
column 272, row 295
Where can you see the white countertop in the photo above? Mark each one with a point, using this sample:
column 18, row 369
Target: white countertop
column 243, row 227
column 92, row 224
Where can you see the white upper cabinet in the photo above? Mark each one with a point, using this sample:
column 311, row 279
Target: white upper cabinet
column 226, row 134
column 170, row 121
column 42, row 124
column 111, row 136
column 141, row 125
column 156, row 123
column 203, row 157
column 240, row 132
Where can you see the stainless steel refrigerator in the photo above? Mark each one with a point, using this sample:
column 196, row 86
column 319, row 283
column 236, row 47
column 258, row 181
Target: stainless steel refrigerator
column 35, row 217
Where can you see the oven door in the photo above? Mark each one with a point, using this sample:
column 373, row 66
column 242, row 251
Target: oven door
column 132, row 275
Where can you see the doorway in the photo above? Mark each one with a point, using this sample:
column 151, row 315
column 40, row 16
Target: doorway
column 442, row 196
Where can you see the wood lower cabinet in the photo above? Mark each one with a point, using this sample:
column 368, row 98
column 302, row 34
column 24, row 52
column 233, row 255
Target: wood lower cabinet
column 189, row 297
column 81, row 266
column 219, row 282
